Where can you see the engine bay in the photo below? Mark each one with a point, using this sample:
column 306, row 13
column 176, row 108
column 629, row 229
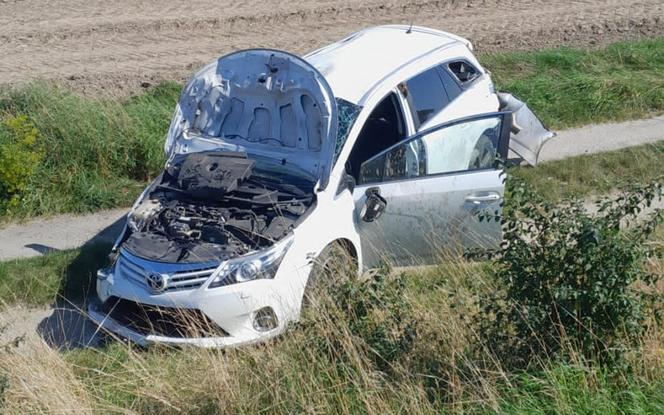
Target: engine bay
column 212, row 206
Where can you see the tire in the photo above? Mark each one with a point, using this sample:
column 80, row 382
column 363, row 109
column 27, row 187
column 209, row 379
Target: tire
column 332, row 266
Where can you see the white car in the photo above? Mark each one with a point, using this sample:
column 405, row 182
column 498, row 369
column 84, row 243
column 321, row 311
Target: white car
column 384, row 144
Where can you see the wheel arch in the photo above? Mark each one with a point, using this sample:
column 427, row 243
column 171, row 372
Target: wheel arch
column 349, row 246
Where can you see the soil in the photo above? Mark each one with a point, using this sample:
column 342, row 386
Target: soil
column 119, row 47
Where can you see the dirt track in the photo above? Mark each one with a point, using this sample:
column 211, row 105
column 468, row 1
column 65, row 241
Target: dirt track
column 116, row 46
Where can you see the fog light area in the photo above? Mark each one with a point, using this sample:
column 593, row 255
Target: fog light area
column 265, row 319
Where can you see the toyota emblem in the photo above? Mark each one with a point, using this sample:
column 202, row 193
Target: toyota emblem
column 156, row 281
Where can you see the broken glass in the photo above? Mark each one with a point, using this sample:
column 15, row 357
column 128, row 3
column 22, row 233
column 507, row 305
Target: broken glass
column 348, row 113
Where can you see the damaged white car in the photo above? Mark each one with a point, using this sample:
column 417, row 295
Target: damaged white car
column 383, row 144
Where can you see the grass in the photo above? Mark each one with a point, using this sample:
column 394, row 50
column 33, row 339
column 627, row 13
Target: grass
column 43, row 280
column 570, row 87
column 596, row 174
column 99, row 154
column 286, row 379
column 328, row 364
column 564, row 389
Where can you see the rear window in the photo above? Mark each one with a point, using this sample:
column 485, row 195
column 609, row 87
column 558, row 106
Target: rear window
column 451, row 84
column 463, row 71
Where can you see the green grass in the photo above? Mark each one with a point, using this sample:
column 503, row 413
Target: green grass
column 321, row 365
column 564, row 389
column 569, row 87
column 322, row 368
column 596, row 174
column 97, row 153
column 42, row 280
column 559, row 389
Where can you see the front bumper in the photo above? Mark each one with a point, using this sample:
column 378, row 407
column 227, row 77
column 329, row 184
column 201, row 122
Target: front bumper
column 234, row 310
column 106, row 322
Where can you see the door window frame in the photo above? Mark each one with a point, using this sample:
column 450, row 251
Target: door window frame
column 408, row 108
column 405, row 113
column 503, row 145
column 402, row 112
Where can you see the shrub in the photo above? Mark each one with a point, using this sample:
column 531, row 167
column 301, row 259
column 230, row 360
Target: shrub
column 569, row 276
column 20, row 154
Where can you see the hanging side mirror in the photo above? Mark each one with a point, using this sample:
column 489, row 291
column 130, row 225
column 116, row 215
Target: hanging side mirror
column 374, row 205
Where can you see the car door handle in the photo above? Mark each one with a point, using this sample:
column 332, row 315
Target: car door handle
column 479, row 198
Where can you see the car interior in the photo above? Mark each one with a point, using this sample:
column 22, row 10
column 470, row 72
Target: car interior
column 384, row 128
column 463, row 71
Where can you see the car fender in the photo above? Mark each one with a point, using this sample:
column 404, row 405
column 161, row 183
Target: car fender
column 332, row 220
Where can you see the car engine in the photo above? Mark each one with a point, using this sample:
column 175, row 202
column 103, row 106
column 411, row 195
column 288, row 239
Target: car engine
column 212, row 206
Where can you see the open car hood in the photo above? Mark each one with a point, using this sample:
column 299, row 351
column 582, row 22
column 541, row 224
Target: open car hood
column 265, row 103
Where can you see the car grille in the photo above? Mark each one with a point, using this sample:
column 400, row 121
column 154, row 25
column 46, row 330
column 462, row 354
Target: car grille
column 178, row 276
column 161, row 321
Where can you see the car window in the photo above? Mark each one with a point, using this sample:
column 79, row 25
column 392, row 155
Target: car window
column 451, row 85
column 372, row 170
column 405, row 161
column 383, row 128
column 425, row 95
column 466, row 146
column 463, row 71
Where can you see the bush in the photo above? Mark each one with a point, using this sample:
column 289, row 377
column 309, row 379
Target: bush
column 569, row 276
column 20, row 154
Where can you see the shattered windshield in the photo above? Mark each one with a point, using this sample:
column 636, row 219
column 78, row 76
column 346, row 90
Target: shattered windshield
column 348, row 113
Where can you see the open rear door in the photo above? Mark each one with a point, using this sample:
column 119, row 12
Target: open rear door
column 528, row 133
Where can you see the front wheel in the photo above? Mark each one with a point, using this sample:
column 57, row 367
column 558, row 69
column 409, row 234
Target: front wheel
column 332, row 266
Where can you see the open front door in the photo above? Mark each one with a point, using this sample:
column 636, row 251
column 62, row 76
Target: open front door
column 433, row 185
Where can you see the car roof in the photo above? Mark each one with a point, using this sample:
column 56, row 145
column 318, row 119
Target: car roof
column 355, row 65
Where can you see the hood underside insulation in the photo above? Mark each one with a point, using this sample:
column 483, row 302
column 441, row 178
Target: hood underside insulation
column 263, row 102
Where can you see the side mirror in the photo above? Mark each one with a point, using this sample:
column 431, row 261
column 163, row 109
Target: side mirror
column 374, row 206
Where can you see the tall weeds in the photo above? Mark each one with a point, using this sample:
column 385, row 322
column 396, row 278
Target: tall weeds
column 392, row 343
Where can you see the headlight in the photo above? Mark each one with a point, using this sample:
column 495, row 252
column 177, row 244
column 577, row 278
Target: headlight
column 263, row 265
